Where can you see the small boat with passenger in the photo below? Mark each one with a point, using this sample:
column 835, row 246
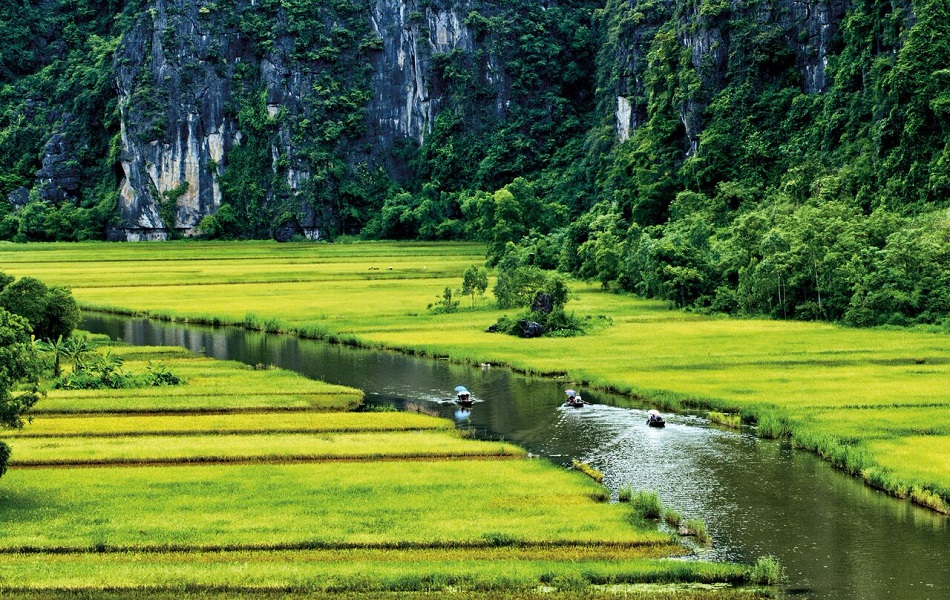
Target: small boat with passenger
column 573, row 399
column 463, row 397
column 654, row 419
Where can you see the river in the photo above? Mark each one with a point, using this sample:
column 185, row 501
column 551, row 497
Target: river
column 836, row 537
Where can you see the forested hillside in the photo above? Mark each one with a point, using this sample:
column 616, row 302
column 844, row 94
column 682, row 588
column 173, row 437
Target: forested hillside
column 765, row 157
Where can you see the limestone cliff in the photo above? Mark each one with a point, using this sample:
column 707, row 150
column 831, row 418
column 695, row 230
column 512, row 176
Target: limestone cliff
column 315, row 94
column 175, row 71
column 800, row 34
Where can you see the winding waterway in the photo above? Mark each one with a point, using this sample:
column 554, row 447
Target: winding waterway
column 836, row 537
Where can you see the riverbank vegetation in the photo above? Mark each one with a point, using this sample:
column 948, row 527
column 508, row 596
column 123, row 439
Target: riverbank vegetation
column 257, row 481
column 869, row 400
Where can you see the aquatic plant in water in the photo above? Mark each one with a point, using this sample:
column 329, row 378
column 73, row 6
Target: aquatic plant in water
column 767, row 570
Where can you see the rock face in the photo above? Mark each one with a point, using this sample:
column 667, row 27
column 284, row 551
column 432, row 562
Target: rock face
column 805, row 31
column 174, row 130
column 406, row 94
column 184, row 67
column 175, row 74
column 59, row 178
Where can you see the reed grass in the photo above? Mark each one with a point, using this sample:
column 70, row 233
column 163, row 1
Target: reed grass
column 672, row 518
column 767, row 570
column 731, row 420
column 624, row 494
column 647, row 504
column 697, row 528
column 588, row 470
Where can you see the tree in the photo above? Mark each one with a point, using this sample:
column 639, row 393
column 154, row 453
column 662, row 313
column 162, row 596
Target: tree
column 19, row 367
column 50, row 312
column 55, row 350
column 517, row 286
column 474, row 281
column 445, row 303
column 61, row 316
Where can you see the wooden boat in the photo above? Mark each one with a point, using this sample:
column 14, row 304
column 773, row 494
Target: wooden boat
column 463, row 396
column 655, row 419
column 573, row 399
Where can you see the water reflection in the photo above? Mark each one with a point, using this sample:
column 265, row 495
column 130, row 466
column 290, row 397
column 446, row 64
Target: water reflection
column 836, row 537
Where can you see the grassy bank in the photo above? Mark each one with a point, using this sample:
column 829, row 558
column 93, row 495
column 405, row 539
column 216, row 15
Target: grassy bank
column 204, row 489
column 871, row 401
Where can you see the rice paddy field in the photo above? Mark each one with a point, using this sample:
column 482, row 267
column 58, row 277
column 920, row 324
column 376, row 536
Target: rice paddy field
column 258, row 482
column 872, row 402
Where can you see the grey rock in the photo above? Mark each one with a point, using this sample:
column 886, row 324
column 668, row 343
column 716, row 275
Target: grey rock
column 530, row 329
column 19, row 197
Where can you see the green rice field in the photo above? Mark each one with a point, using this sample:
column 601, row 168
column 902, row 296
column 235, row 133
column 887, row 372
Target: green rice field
column 222, row 487
column 874, row 402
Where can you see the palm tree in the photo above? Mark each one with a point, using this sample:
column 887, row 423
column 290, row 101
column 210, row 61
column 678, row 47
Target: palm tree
column 56, row 349
column 72, row 349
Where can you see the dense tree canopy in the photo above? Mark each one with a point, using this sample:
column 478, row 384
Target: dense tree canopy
column 18, row 366
column 49, row 312
column 30, row 312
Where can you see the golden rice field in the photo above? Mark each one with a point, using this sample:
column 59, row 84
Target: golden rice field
column 868, row 400
column 221, row 487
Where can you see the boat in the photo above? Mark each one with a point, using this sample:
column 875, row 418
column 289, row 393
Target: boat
column 573, row 399
column 654, row 419
column 463, row 397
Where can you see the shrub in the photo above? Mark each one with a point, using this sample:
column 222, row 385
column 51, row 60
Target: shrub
column 557, row 323
column 767, row 571
column 445, row 303
column 159, row 375
column 100, row 371
column 647, row 504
